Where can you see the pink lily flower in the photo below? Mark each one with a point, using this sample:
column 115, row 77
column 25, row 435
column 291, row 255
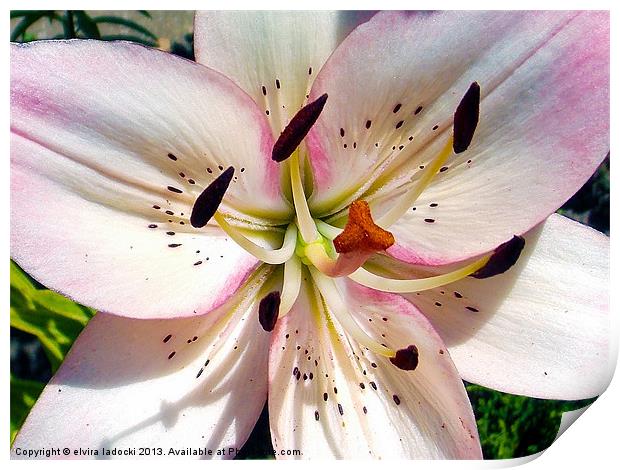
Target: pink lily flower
column 347, row 225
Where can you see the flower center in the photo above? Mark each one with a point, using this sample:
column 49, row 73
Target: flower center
column 328, row 252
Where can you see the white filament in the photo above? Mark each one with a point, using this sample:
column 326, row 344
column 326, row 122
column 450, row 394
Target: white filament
column 278, row 256
column 304, row 219
column 328, row 231
column 332, row 297
column 290, row 285
column 401, row 286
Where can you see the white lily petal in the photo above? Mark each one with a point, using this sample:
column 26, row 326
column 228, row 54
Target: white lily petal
column 322, row 396
column 102, row 257
column 194, row 383
column 108, row 154
column 119, row 110
column 540, row 329
column 273, row 55
column 394, row 84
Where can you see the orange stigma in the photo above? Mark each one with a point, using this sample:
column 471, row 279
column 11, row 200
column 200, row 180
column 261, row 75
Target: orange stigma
column 361, row 233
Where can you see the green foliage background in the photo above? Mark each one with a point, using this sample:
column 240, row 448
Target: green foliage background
column 45, row 324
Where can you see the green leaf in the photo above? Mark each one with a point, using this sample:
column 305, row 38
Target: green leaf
column 24, row 393
column 25, row 23
column 28, row 36
column 124, row 22
column 55, row 320
column 145, row 13
column 67, row 25
column 53, row 302
column 54, row 16
column 20, row 13
column 19, row 279
column 86, row 25
column 515, row 426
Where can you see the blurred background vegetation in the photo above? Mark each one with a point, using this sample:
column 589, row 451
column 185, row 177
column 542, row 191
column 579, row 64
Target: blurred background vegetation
column 45, row 324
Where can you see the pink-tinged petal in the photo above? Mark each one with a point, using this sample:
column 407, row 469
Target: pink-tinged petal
column 197, row 382
column 105, row 257
column 91, row 212
column 273, row 55
column 144, row 118
column 330, row 397
column 543, row 124
column 540, row 329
